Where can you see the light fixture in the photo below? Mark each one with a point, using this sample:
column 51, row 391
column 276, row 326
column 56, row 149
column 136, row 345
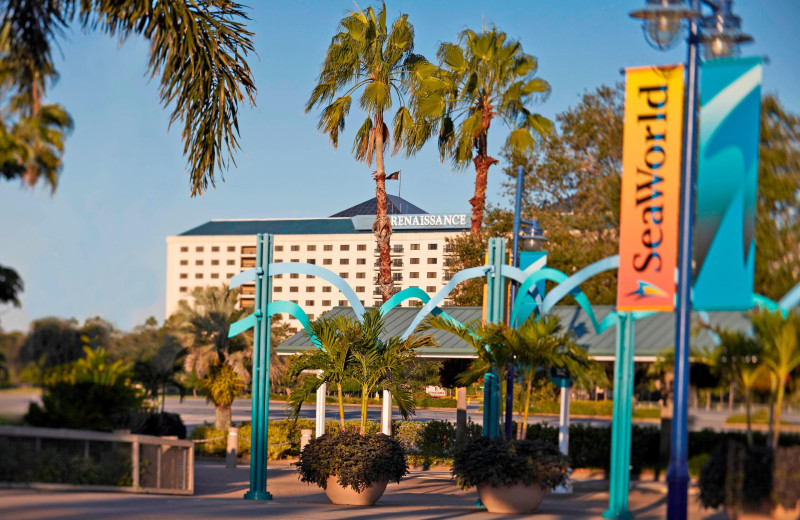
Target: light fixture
column 722, row 32
column 662, row 21
column 534, row 239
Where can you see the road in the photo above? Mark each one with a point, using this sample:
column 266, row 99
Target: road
column 195, row 411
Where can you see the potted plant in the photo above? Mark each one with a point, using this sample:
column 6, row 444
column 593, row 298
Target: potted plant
column 512, row 476
column 751, row 482
column 353, row 469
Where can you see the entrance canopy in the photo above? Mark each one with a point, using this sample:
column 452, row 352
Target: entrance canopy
column 653, row 333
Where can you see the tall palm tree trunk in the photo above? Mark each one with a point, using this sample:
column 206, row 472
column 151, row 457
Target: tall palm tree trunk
column 383, row 226
column 482, row 162
column 526, row 411
column 341, row 405
column 222, row 416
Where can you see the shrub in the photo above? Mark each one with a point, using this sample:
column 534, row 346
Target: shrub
column 736, row 476
column 160, row 424
column 358, row 461
column 280, row 433
column 499, row 462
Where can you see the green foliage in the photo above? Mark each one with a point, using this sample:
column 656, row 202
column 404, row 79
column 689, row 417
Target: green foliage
column 736, row 476
column 357, row 461
column 427, row 401
column 499, row 462
column 88, row 393
column 10, row 286
column 63, row 461
column 280, row 433
column 159, row 424
column 197, row 48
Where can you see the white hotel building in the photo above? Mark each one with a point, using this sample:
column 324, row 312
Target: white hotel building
column 213, row 252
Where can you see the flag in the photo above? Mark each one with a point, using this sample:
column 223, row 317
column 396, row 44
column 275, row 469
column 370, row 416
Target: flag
column 393, row 176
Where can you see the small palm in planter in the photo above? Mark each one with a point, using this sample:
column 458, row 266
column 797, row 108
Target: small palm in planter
column 344, row 460
column 512, row 477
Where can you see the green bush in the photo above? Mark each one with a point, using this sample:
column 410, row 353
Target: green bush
column 358, row 461
column 280, row 433
column 426, row 401
column 500, row 462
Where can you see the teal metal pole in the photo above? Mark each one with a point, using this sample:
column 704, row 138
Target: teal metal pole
column 260, row 380
column 495, row 292
column 621, row 425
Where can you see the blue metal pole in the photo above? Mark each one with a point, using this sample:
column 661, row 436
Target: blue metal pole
column 678, row 471
column 515, row 243
column 494, row 314
column 260, row 382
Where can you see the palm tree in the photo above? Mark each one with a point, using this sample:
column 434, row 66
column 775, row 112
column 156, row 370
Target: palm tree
column 379, row 61
column 740, row 357
column 780, row 337
column 197, row 47
column 377, row 363
column 331, row 359
column 219, row 362
column 483, row 77
column 540, row 344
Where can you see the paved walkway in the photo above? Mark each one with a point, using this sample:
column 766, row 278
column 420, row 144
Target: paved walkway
column 430, row 495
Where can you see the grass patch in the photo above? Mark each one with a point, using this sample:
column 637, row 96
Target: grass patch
column 760, row 417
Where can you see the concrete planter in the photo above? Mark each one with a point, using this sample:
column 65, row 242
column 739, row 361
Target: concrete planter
column 347, row 496
column 515, row 500
column 766, row 513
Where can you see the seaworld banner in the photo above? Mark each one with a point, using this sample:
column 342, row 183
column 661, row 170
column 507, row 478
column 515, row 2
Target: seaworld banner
column 727, row 180
column 650, row 199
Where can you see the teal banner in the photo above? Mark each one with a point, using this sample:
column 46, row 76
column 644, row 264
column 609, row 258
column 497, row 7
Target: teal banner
column 727, row 180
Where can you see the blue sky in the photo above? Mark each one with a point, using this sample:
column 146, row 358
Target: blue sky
column 98, row 245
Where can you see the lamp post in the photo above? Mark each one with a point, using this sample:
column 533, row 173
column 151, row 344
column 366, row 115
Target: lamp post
column 531, row 239
column 720, row 34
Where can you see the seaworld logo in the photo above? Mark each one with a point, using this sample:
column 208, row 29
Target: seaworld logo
column 648, row 290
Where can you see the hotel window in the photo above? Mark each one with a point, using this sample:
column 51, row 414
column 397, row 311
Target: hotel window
column 183, row 289
column 277, row 261
column 430, row 289
column 327, row 261
column 278, row 276
column 397, row 262
column 413, row 275
column 431, row 275
column 294, row 289
column 215, row 275
column 184, row 262
column 414, row 247
column 344, row 261
column 198, row 262
column 397, row 248
column 184, row 249
column 360, row 288
column 295, row 301
column 295, row 248
column 361, row 261
column 344, row 247
column 377, row 303
column 277, row 289
column 231, row 249
column 310, row 289
column 231, row 262
column 248, row 262
column 311, row 248
column 309, row 303
column 248, row 250
column 184, row 275
column 397, row 277
column 215, row 262
column 361, row 247
column 361, row 275
column 343, row 275
column 433, row 247
column 311, row 317
column 327, row 288
column 342, row 303
column 294, row 260
column 198, row 275
column 431, row 261
column 278, row 248
column 413, row 261
column 199, row 249
column 309, row 276
column 326, row 303
column 448, row 277
column 294, row 275
column 229, row 275
column 248, row 289
column 215, row 249
column 327, row 247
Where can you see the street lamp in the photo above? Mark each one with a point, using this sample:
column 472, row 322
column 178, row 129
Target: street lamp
column 720, row 35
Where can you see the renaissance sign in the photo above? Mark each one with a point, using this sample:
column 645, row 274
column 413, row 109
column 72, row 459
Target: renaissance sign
column 423, row 221
column 650, row 200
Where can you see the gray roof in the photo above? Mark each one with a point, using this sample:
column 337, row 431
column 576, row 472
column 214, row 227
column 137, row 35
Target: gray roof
column 653, row 333
column 301, row 226
column 394, row 206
